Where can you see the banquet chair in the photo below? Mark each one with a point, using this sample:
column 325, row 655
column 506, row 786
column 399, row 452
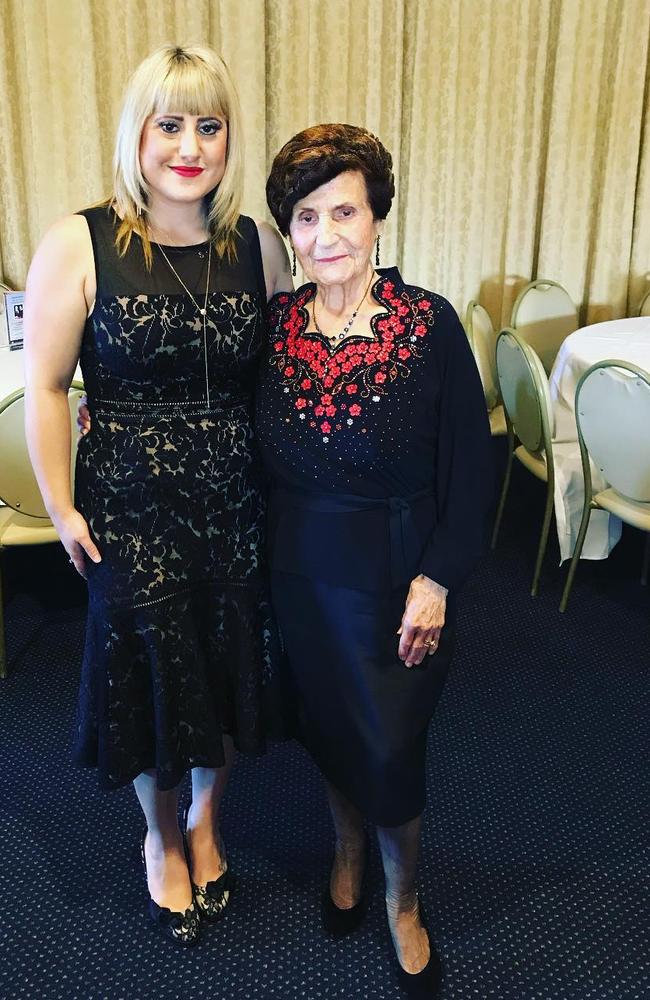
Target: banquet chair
column 613, row 417
column 24, row 520
column 482, row 339
column 529, row 416
column 644, row 308
column 544, row 315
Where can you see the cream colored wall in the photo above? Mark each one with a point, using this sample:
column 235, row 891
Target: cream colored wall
column 519, row 128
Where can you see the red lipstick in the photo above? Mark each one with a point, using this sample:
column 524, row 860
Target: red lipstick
column 188, row 171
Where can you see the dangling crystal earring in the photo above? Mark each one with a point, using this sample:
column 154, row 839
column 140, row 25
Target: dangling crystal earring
column 377, row 254
column 293, row 262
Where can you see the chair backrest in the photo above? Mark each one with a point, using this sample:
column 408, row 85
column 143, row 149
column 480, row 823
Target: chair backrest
column 613, row 417
column 18, row 486
column 544, row 314
column 483, row 340
column 524, row 390
column 644, row 308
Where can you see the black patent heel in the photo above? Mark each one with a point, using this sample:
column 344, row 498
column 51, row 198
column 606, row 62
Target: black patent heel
column 339, row 923
column 425, row 984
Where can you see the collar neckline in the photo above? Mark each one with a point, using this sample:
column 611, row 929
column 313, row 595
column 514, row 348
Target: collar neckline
column 307, row 291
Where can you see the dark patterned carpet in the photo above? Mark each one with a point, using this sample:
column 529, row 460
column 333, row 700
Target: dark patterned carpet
column 536, row 857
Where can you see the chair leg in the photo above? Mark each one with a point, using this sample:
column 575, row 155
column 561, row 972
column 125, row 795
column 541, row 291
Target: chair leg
column 3, row 649
column 543, row 541
column 646, row 562
column 575, row 559
column 504, row 489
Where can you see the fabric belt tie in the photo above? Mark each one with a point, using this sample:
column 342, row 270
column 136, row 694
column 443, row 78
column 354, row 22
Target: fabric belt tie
column 405, row 543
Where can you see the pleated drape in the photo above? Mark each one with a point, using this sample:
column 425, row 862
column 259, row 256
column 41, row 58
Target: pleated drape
column 519, row 128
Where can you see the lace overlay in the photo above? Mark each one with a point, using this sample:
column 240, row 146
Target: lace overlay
column 181, row 644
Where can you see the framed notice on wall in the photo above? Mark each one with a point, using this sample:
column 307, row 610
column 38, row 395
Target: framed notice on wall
column 11, row 320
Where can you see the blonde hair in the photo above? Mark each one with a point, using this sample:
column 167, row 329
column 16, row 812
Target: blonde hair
column 196, row 81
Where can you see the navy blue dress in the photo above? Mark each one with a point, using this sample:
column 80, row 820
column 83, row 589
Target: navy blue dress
column 181, row 644
column 379, row 454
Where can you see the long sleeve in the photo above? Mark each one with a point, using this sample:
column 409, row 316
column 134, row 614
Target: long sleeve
column 464, row 463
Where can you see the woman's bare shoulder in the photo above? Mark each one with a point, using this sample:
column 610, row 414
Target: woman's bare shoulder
column 64, row 259
column 275, row 258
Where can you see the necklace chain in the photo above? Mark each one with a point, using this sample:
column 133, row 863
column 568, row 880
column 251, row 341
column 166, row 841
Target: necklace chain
column 348, row 326
column 203, row 312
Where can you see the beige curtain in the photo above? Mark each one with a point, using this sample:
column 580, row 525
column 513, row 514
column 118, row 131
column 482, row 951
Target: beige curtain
column 520, row 129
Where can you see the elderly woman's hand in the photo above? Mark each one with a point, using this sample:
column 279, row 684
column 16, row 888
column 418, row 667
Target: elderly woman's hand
column 422, row 620
column 83, row 416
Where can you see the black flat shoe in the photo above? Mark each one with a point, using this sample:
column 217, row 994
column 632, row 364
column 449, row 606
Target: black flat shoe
column 425, row 984
column 182, row 928
column 213, row 897
column 339, row 923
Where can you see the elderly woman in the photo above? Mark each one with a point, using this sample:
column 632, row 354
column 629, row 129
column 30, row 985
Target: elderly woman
column 161, row 293
column 372, row 424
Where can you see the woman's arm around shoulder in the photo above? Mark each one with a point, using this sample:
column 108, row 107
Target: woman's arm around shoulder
column 277, row 270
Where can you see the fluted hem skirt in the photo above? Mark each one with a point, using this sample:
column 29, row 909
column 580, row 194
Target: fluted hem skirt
column 162, row 685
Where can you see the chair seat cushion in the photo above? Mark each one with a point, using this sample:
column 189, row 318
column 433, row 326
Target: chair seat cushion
column 631, row 511
column 533, row 463
column 20, row 529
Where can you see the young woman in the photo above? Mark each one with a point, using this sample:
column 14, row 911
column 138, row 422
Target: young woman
column 160, row 293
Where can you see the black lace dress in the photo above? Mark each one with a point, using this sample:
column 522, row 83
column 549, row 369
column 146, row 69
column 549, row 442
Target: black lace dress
column 181, row 645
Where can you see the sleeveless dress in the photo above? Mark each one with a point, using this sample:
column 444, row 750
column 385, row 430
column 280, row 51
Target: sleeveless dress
column 181, row 644
column 381, row 463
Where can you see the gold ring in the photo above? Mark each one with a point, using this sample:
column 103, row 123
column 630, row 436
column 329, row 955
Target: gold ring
column 430, row 642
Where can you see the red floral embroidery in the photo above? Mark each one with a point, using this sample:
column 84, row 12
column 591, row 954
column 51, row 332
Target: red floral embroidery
column 363, row 367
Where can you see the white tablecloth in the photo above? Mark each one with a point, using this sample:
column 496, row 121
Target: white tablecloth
column 626, row 340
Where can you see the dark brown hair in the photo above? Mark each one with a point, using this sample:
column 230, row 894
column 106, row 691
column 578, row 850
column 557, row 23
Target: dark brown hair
column 317, row 155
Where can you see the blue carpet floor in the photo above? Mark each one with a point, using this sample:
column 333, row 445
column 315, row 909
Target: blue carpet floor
column 535, row 858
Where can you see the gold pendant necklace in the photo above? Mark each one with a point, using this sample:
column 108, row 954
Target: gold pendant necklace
column 202, row 311
column 346, row 329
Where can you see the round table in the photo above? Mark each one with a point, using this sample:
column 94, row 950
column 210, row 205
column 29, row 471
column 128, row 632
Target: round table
column 621, row 339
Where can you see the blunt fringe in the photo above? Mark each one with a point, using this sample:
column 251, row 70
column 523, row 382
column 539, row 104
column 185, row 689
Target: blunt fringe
column 193, row 80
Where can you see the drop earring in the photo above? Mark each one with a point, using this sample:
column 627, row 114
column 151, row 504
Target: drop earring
column 293, row 262
column 377, row 253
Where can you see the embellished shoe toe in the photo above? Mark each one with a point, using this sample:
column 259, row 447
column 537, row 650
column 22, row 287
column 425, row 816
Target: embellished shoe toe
column 183, row 929
column 213, row 898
